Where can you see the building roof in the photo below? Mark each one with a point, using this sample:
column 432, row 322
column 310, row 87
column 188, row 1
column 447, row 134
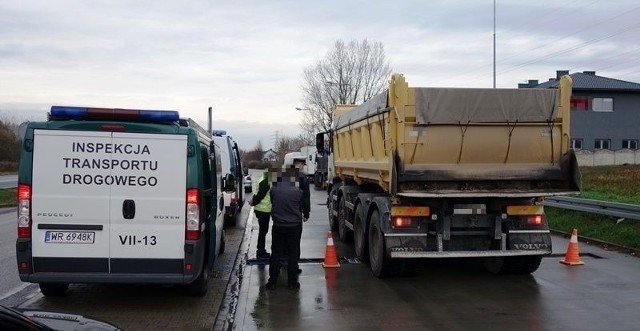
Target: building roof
column 588, row 80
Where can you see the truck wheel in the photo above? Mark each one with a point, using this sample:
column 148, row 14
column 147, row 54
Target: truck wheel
column 53, row 289
column 360, row 236
column 512, row 265
column 526, row 264
column 199, row 286
column 381, row 265
column 333, row 221
column 343, row 231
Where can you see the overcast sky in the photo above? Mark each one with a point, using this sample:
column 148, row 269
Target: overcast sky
column 245, row 58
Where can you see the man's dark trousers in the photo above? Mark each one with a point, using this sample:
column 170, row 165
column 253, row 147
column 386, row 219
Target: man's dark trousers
column 263, row 222
column 285, row 238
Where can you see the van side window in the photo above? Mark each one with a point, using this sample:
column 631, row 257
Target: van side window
column 206, row 178
column 216, row 160
column 206, row 168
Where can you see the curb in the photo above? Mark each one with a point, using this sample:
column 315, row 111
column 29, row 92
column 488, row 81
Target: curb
column 225, row 321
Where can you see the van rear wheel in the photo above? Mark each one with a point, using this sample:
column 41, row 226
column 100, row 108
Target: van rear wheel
column 223, row 241
column 199, row 286
column 53, row 289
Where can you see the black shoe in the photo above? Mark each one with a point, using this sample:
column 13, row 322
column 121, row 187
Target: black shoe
column 263, row 255
column 294, row 286
column 270, row 285
column 299, row 271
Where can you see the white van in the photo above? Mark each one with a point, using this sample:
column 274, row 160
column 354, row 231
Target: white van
column 117, row 196
column 231, row 175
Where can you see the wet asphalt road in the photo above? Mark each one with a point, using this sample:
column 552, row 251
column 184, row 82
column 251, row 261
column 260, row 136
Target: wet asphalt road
column 131, row 307
column 603, row 294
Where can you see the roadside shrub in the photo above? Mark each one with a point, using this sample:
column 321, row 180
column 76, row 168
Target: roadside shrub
column 256, row 164
column 8, row 166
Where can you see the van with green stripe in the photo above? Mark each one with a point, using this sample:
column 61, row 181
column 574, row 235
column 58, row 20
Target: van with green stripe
column 118, row 196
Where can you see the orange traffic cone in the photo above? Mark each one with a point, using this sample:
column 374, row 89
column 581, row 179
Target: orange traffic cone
column 330, row 255
column 573, row 253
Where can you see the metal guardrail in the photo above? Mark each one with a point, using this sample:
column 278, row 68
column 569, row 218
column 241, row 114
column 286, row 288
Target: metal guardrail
column 8, row 181
column 616, row 209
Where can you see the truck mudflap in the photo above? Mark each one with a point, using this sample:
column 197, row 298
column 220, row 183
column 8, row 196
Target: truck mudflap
column 519, row 243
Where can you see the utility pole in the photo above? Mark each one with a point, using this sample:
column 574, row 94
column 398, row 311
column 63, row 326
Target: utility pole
column 494, row 43
column 277, row 138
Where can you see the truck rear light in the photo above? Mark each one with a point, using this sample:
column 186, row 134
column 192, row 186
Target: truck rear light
column 24, row 211
column 192, row 231
column 399, row 222
column 23, row 265
column 534, row 220
column 530, row 215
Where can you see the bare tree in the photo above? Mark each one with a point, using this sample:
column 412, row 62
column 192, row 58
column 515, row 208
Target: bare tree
column 349, row 74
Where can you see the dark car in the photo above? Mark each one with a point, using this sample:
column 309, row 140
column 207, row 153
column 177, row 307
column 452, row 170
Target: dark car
column 28, row 319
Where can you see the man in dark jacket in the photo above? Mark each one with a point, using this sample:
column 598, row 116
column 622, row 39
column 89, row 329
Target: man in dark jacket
column 290, row 199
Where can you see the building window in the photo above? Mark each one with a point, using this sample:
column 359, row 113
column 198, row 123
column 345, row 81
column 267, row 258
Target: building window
column 630, row 143
column 602, row 104
column 602, row 144
column 576, row 143
column 595, row 104
column 579, row 103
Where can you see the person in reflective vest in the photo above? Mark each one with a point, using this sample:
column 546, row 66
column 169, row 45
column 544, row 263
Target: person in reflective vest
column 261, row 203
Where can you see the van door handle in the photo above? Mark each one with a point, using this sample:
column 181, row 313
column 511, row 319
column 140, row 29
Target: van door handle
column 128, row 209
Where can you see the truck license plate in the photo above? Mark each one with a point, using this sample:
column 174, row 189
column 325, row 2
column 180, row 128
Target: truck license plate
column 70, row 237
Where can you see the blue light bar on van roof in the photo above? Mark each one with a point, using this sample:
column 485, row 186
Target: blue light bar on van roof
column 219, row 133
column 113, row 114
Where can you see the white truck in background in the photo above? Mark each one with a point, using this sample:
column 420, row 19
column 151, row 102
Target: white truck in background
column 310, row 166
column 309, row 152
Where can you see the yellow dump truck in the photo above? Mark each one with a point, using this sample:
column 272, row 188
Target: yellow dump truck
column 450, row 173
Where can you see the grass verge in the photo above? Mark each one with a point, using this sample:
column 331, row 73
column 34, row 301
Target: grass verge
column 608, row 183
column 605, row 228
column 8, row 197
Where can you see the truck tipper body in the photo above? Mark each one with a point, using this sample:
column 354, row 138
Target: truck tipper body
column 450, row 172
